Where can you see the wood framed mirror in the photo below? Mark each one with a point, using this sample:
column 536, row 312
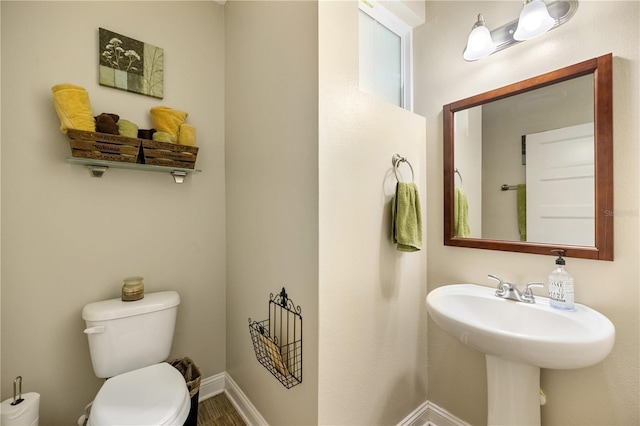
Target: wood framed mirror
column 475, row 156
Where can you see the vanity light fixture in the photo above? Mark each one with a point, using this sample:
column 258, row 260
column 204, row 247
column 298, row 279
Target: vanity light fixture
column 536, row 18
column 480, row 43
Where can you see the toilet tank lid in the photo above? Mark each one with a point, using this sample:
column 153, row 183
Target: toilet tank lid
column 116, row 308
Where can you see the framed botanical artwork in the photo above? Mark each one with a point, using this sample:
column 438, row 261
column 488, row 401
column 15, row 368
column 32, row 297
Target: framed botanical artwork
column 130, row 65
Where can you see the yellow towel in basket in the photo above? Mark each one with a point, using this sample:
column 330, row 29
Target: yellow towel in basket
column 187, row 135
column 163, row 137
column 167, row 119
column 127, row 128
column 73, row 108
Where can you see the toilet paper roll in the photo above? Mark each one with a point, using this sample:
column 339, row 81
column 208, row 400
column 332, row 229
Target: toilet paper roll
column 26, row 413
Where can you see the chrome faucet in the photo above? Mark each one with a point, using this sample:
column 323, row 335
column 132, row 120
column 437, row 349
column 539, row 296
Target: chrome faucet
column 510, row 291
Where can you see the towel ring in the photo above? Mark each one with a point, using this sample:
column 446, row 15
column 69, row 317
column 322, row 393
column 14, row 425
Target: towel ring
column 396, row 160
column 456, row 171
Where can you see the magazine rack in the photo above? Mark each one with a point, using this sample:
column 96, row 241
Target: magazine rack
column 277, row 341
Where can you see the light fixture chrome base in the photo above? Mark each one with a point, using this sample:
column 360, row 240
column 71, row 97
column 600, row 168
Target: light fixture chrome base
column 561, row 11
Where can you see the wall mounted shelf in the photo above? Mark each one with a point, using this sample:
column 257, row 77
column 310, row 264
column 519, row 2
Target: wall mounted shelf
column 98, row 167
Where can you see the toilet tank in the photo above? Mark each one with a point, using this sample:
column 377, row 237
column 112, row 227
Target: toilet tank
column 125, row 336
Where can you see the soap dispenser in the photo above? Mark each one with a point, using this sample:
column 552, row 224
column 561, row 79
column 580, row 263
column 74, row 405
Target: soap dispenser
column 560, row 285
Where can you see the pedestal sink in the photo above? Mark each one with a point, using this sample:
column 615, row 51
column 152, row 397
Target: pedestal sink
column 518, row 339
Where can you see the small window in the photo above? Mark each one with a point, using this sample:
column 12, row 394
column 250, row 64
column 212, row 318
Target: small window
column 385, row 55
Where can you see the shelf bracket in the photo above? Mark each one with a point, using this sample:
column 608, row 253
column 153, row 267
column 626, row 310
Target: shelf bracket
column 97, row 171
column 178, row 176
column 98, row 167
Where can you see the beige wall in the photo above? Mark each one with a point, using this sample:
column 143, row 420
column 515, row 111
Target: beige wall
column 308, row 182
column 607, row 393
column 372, row 346
column 0, row 200
column 272, row 191
column 69, row 239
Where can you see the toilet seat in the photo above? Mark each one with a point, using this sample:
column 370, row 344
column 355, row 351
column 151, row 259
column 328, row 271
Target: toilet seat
column 154, row 395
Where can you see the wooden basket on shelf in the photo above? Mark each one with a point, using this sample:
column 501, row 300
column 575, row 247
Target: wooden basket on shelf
column 169, row 154
column 103, row 146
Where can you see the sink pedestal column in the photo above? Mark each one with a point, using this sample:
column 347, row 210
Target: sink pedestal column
column 513, row 392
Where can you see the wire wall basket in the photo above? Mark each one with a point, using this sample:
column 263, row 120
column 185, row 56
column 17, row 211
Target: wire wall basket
column 277, row 341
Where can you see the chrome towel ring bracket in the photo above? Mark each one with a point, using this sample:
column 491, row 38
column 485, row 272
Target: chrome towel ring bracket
column 456, row 171
column 396, row 160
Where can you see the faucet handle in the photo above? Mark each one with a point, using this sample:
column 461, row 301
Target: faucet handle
column 502, row 285
column 527, row 289
column 536, row 284
column 500, row 281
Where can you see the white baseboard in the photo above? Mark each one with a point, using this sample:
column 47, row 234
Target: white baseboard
column 419, row 416
column 246, row 409
column 212, row 386
column 222, row 382
column 427, row 414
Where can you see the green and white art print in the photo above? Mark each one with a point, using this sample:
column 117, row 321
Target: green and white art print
column 130, row 65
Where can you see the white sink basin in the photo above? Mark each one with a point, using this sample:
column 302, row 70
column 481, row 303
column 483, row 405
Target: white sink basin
column 533, row 334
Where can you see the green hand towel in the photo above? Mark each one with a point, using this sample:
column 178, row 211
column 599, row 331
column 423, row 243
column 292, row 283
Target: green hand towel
column 522, row 211
column 461, row 214
column 406, row 217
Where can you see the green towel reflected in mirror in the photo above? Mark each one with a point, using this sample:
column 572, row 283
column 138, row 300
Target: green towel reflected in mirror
column 522, row 211
column 461, row 214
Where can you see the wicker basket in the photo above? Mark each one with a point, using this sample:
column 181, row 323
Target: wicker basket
column 169, row 154
column 103, row 146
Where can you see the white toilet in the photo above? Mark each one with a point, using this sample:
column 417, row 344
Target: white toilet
column 128, row 342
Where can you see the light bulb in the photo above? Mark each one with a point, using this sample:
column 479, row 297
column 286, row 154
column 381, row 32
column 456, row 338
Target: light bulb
column 479, row 44
column 534, row 21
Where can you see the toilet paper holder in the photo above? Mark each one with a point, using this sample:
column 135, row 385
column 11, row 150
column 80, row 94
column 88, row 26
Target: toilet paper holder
column 18, row 381
column 23, row 409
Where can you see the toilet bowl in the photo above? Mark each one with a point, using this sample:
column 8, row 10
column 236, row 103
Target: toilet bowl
column 154, row 395
column 129, row 342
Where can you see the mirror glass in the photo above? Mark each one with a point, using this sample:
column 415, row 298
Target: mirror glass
column 528, row 167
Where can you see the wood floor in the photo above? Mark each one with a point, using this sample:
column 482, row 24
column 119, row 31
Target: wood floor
column 218, row 411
